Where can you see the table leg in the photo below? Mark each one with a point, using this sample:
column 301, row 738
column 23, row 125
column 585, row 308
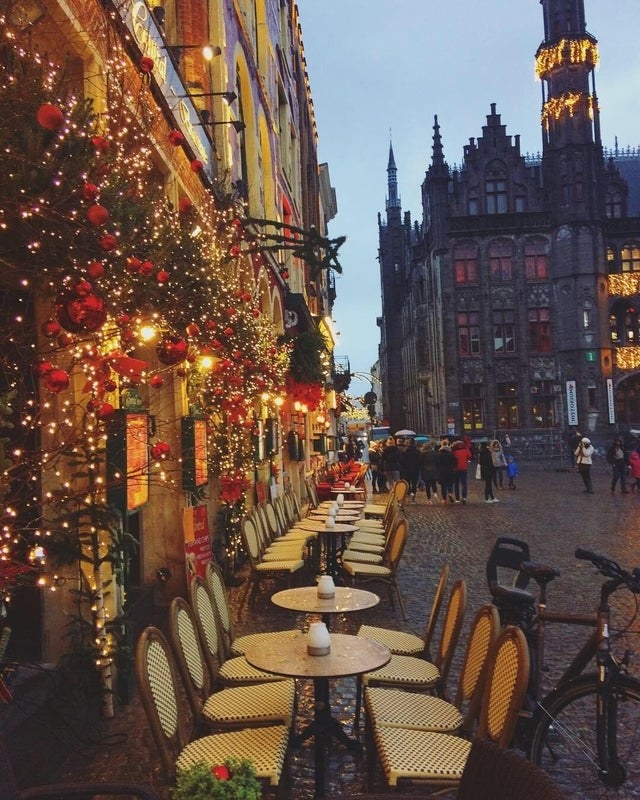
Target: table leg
column 323, row 728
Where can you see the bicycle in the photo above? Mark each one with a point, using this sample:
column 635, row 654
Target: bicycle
column 586, row 731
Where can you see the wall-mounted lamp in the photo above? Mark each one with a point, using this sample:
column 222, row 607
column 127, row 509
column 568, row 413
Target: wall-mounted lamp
column 206, row 120
column 228, row 97
column 209, row 51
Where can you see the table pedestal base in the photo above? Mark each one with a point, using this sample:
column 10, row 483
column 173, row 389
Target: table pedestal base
column 323, row 728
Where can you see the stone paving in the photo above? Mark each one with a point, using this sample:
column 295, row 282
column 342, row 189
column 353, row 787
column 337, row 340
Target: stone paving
column 548, row 509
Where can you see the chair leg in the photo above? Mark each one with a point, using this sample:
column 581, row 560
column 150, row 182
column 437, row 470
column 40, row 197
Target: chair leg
column 400, row 600
column 356, row 715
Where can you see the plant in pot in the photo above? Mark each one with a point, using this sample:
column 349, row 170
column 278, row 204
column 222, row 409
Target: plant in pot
column 234, row 779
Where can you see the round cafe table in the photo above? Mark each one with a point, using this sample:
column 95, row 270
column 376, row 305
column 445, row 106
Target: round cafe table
column 349, row 656
column 328, row 538
column 306, row 600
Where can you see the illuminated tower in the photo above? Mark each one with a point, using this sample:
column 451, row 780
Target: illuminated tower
column 565, row 64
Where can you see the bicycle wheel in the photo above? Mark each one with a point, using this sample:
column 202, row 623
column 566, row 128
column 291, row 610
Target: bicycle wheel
column 563, row 741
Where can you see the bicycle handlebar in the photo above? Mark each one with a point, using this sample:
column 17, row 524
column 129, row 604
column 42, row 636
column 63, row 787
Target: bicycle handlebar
column 611, row 569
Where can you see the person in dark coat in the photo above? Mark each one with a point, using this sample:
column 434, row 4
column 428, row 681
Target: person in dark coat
column 429, row 471
column 391, row 462
column 409, row 466
column 487, row 471
column 446, row 471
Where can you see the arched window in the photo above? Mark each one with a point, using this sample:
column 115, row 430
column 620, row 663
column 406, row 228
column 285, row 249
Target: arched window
column 535, row 259
column 613, row 203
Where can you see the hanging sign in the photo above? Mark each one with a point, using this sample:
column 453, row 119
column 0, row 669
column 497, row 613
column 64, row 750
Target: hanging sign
column 195, row 471
column 197, row 542
column 572, row 403
column 611, row 401
column 128, row 460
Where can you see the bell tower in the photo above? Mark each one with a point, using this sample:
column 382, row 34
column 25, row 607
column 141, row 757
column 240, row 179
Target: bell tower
column 572, row 148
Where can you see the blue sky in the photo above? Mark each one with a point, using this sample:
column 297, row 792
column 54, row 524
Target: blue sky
column 381, row 68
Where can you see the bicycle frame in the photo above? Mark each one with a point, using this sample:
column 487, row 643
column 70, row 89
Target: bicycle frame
column 607, row 670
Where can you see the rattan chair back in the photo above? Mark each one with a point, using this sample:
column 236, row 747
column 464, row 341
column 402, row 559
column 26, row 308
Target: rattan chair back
column 217, row 589
column 505, row 688
column 451, row 627
column 158, row 686
column 183, row 635
column 436, row 605
column 482, row 637
column 207, row 625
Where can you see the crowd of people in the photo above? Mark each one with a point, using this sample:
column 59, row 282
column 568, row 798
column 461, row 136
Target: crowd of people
column 440, row 469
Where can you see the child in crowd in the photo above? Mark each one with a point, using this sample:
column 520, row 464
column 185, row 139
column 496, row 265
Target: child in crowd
column 512, row 471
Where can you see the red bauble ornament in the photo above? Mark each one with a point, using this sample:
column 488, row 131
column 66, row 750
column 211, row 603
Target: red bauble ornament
column 90, row 191
column 172, row 350
column 235, row 250
column 146, row 269
column 97, row 215
column 256, row 312
column 230, row 311
column 146, row 65
column 83, row 288
column 80, row 314
column 105, row 410
column 133, row 265
column 44, row 367
column 192, row 329
column 237, row 355
column 160, row 451
column 122, row 319
column 184, row 205
column 50, row 328
column 110, row 385
column 157, row 382
column 56, row 380
column 108, row 242
column 228, row 331
column 285, row 274
column 100, row 143
column 65, row 339
column 197, row 165
column 95, row 270
column 176, row 138
column 246, row 297
column 162, row 276
column 50, row 117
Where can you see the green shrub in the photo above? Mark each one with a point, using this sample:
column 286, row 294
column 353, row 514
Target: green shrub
column 200, row 783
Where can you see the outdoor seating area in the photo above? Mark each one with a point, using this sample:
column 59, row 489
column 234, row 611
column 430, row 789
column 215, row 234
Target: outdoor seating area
column 210, row 694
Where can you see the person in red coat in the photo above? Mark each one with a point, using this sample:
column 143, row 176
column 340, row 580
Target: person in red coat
column 462, row 455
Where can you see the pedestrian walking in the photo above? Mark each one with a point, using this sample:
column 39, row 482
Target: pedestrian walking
column 378, row 481
column 409, row 467
column 512, row 471
column 634, row 471
column 618, row 460
column 499, row 464
column 429, row 471
column 584, row 459
column 462, row 455
column 446, row 471
column 487, row 470
column 391, row 462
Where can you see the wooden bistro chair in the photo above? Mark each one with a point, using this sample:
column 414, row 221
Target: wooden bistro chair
column 409, row 644
column 261, row 570
column 398, row 493
column 417, row 674
column 225, row 671
column 396, row 708
column 157, row 679
column 230, row 708
column 361, row 573
column 438, row 759
column 232, row 645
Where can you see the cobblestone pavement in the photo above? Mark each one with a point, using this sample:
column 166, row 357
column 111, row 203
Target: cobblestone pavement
column 548, row 509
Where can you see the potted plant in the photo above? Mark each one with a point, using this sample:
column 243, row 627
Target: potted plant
column 234, row 779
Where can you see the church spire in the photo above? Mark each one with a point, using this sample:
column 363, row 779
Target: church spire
column 393, row 201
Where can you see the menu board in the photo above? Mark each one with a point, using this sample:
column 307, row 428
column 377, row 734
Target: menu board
column 128, row 460
column 195, row 470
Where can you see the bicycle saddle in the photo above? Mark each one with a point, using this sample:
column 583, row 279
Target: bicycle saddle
column 542, row 574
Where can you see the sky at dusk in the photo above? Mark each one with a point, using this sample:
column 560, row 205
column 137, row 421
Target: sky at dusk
column 382, row 69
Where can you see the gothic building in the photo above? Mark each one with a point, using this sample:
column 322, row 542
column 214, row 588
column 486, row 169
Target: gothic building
column 514, row 305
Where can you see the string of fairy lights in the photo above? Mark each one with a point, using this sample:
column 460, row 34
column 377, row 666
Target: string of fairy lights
column 114, row 290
